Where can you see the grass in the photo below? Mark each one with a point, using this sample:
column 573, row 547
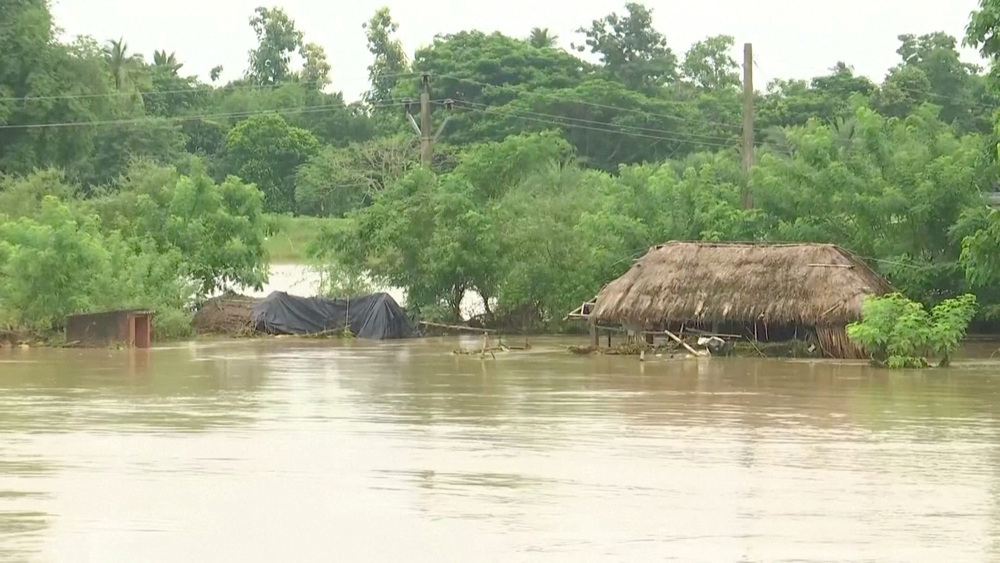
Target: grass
column 294, row 234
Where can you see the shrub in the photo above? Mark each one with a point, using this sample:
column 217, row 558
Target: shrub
column 900, row 333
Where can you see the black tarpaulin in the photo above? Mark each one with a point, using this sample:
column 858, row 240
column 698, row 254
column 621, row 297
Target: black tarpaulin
column 376, row 316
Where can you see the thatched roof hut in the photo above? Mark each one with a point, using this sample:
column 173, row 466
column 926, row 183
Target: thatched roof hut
column 759, row 288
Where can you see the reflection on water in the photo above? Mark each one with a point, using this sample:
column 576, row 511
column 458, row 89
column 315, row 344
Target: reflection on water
column 325, row 450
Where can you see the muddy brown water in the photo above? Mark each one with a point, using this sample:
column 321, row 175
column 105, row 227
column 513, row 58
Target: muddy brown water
column 286, row 450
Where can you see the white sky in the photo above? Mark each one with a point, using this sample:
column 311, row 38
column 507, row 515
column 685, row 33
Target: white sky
column 790, row 40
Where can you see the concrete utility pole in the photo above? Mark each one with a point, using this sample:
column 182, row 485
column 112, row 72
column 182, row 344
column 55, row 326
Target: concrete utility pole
column 426, row 143
column 747, row 123
column 423, row 129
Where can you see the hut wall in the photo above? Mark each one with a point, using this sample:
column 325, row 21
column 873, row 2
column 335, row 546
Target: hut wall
column 834, row 342
column 133, row 328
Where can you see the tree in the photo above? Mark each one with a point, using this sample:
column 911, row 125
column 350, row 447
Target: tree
column 981, row 32
column 950, row 83
column 169, row 94
column 277, row 39
column 485, row 71
column 267, row 151
column 218, row 228
column 337, row 181
column 905, row 88
column 328, row 184
column 121, row 64
column 563, row 239
column 167, row 62
column 58, row 262
column 889, row 189
column 116, row 146
column 215, row 73
column 710, row 66
column 541, row 38
column 325, row 115
column 827, row 98
column 608, row 124
column 631, row 49
column 435, row 235
column 49, row 264
column 315, row 69
column 481, row 68
column 23, row 196
column 43, row 81
column 389, row 62
column 899, row 333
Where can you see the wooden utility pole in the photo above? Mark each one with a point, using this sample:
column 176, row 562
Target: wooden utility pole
column 423, row 129
column 747, row 123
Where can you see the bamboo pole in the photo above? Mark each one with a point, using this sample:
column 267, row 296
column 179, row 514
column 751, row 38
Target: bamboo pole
column 682, row 343
column 456, row 327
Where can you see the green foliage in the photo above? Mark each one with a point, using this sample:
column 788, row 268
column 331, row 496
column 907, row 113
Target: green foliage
column 315, row 68
column 290, row 238
column 982, row 31
column 22, row 197
column 542, row 38
column 551, row 174
column 50, row 266
column 266, row 150
column 390, row 61
column 277, row 39
column 59, row 263
column 481, row 68
column 339, row 281
column 631, row 49
column 219, row 229
column 710, row 65
column 117, row 146
column 900, row 333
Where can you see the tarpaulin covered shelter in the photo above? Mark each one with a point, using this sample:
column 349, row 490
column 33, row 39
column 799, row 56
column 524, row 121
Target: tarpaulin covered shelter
column 376, row 316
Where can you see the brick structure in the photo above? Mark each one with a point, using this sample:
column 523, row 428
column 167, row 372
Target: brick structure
column 132, row 328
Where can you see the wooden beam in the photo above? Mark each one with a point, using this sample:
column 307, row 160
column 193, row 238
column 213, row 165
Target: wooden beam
column 456, row 327
column 682, row 343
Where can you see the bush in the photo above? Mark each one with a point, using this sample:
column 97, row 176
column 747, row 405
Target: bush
column 161, row 241
column 59, row 263
column 900, row 333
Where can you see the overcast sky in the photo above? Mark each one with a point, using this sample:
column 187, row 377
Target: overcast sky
column 792, row 38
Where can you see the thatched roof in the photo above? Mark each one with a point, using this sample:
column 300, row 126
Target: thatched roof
column 807, row 284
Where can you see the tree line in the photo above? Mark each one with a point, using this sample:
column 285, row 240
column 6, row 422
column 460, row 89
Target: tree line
column 552, row 173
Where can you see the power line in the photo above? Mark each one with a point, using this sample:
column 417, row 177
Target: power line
column 200, row 88
column 592, row 122
column 132, row 121
column 592, row 104
column 928, row 93
column 589, row 128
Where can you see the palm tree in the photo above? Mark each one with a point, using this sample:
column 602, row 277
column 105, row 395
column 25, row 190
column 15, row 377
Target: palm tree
column 119, row 61
column 541, row 38
column 162, row 59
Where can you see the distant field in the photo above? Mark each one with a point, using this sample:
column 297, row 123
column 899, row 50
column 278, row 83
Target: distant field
column 289, row 244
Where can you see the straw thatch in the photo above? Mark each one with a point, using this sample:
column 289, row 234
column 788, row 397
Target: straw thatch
column 809, row 285
column 229, row 315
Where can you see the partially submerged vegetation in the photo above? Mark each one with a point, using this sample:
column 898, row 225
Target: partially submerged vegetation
column 155, row 239
column 899, row 333
column 127, row 183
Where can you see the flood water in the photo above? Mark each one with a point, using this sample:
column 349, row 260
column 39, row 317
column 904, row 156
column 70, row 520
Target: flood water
column 286, row 450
